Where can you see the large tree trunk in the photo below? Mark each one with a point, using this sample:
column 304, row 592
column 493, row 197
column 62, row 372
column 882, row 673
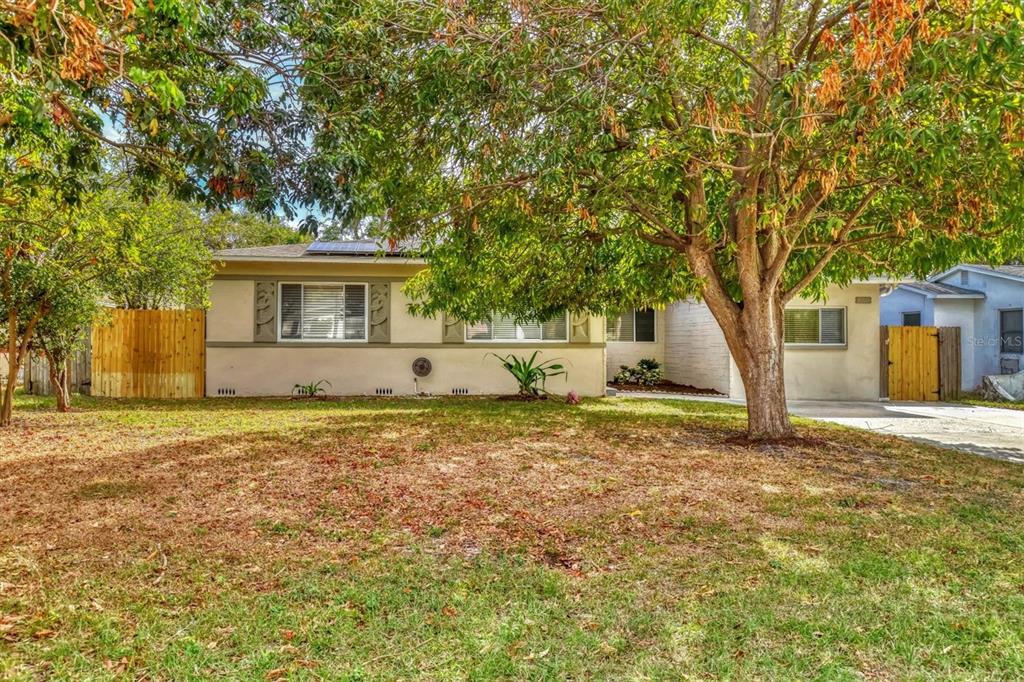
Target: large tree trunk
column 765, row 387
column 757, row 346
column 754, row 336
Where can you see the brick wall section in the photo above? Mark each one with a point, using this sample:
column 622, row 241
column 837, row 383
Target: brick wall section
column 695, row 350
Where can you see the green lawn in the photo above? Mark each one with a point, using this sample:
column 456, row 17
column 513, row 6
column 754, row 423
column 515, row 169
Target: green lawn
column 478, row 539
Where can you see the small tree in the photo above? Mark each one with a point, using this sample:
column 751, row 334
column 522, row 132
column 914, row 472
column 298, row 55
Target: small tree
column 61, row 263
column 63, row 331
column 51, row 266
column 22, row 309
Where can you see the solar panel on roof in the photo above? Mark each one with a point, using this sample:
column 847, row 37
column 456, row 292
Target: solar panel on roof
column 335, row 248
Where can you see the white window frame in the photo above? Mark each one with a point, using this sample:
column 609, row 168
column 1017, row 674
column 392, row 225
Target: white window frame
column 819, row 308
column 657, row 331
column 302, row 309
column 519, row 332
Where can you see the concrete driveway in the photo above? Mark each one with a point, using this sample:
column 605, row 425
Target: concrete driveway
column 986, row 431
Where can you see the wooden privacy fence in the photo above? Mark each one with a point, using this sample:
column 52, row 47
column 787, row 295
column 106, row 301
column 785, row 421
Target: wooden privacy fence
column 921, row 363
column 150, row 354
column 37, row 373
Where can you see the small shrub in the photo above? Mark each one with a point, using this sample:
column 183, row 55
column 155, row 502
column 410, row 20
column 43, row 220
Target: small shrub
column 310, row 390
column 647, row 372
column 532, row 376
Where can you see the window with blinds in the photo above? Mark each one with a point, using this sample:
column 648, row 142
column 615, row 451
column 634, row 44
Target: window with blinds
column 507, row 329
column 323, row 312
column 635, row 326
column 815, row 326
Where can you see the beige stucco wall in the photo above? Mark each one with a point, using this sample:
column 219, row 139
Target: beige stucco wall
column 408, row 328
column 236, row 364
column 629, row 353
column 231, row 311
column 847, row 373
column 274, row 370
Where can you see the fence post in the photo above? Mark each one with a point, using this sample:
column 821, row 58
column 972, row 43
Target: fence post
column 950, row 367
column 883, row 368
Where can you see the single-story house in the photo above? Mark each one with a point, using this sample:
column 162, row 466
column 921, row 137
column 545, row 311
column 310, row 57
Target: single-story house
column 296, row 314
column 986, row 303
column 832, row 350
column 335, row 311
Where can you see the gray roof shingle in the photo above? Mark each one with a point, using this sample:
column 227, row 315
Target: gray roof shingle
column 277, row 251
column 1014, row 270
column 942, row 290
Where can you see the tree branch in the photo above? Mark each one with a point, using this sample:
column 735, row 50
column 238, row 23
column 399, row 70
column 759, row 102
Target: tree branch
column 697, row 33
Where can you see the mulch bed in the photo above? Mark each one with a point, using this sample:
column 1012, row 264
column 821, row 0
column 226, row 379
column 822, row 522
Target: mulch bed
column 665, row 386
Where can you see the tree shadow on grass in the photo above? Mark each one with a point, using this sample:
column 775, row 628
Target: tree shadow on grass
column 576, row 488
column 548, row 482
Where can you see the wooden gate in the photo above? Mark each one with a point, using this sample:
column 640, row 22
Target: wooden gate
column 150, row 354
column 921, row 363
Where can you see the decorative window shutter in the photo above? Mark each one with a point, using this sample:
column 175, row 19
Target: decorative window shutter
column 454, row 331
column 265, row 317
column 579, row 328
column 380, row 312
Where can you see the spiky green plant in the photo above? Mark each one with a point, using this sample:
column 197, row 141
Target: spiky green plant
column 531, row 375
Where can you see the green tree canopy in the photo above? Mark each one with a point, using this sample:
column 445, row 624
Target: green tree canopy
column 238, row 229
column 166, row 260
column 191, row 93
column 597, row 155
column 50, row 269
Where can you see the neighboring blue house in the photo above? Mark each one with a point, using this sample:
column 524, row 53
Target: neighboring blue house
column 987, row 303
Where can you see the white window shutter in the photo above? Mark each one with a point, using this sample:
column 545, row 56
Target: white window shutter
column 328, row 312
column 503, row 329
column 621, row 328
column 481, row 331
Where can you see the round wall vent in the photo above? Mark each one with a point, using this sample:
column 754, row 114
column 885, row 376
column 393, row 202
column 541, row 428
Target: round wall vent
column 421, row 367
